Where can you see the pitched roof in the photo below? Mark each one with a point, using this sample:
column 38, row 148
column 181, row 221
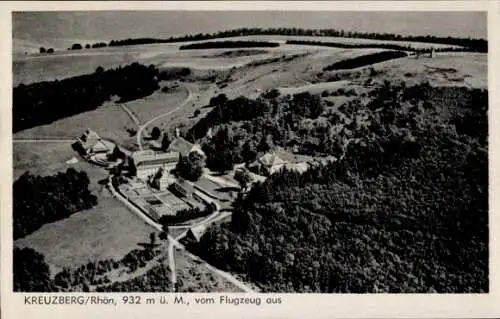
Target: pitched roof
column 149, row 157
column 99, row 146
column 88, row 139
column 198, row 231
column 271, row 159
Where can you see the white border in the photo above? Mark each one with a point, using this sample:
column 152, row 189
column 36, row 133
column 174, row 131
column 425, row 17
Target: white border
column 295, row 305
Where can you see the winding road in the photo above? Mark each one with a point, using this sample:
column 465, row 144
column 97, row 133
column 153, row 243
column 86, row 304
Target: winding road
column 142, row 127
column 174, row 242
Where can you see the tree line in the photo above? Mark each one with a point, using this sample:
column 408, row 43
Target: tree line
column 186, row 214
column 229, row 44
column 476, row 45
column 42, row 50
column 343, row 45
column 366, row 59
column 388, row 46
column 39, row 200
column 78, row 46
column 404, row 210
column 44, row 102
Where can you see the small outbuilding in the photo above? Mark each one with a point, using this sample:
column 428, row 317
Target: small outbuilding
column 90, row 143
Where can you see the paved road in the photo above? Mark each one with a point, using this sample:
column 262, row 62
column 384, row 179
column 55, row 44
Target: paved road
column 141, row 128
column 175, row 243
column 171, row 261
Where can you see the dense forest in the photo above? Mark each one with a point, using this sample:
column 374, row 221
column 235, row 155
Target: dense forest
column 44, row 102
column 229, row 44
column 31, row 273
column 404, row 210
column 476, row 45
column 364, row 60
column 39, row 200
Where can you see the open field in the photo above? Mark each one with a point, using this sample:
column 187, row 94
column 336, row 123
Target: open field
column 59, row 66
column 292, row 68
column 284, row 38
column 108, row 230
column 445, row 69
column 35, row 68
column 49, row 158
column 157, row 103
column 110, row 121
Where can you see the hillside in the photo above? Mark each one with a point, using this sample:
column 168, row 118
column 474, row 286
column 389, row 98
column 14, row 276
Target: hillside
column 404, row 210
column 402, row 207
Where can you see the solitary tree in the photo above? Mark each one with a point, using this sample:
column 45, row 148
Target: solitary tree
column 42, row 50
column 87, row 46
column 164, row 231
column 116, row 154
column 248, row 151
column 243, row 177
column 271, row 94
column 76, row 46
column 50, row 51
column 155, row 133
column 265, row 143
column 219, row 99
column 191, row 167
column 152, row 239
column 165, row 142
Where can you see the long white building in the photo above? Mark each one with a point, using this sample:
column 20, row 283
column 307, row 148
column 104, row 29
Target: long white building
column 146, row 164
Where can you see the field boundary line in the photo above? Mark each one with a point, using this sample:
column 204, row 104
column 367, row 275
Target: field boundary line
column 131, row 115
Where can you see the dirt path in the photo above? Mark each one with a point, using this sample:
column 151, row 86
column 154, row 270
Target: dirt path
column 141, row 128
column 131, row 115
